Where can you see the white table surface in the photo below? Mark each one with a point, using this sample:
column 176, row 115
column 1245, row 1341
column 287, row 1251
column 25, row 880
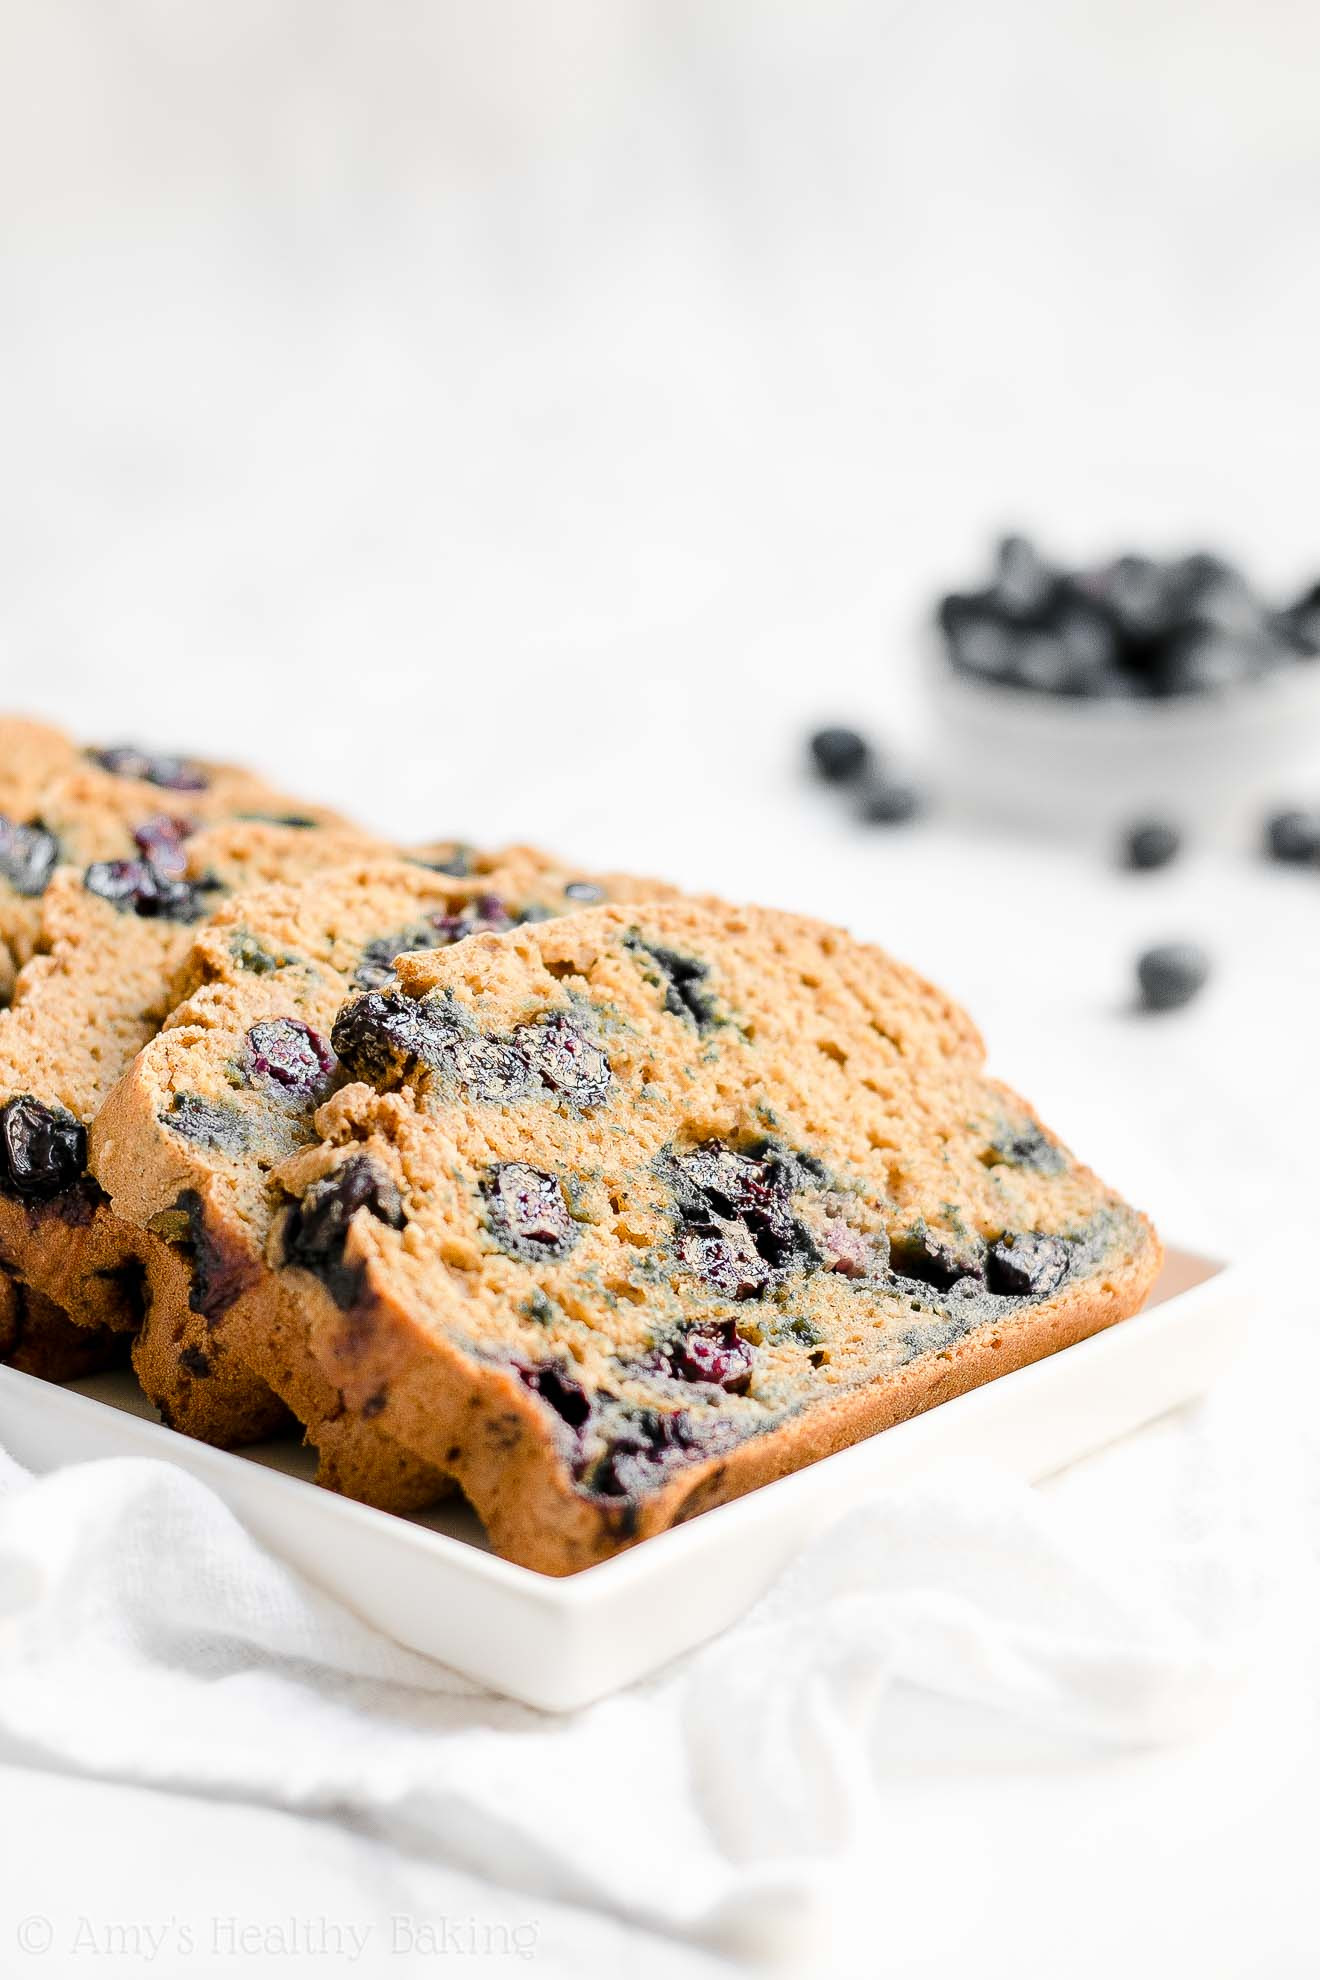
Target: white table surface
column 527, row 427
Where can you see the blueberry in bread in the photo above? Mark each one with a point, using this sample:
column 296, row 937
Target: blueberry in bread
column 626, row 1213
column 111, row 936
column 186, row 1142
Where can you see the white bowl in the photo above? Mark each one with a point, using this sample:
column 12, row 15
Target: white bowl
column 1218, row 762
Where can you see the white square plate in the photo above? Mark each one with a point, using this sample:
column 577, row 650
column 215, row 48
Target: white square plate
column 432, row 1584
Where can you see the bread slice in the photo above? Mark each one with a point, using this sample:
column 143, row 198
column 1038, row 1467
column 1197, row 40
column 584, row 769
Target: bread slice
column 630, row 1212
column 112, row 937
column 186, row 1142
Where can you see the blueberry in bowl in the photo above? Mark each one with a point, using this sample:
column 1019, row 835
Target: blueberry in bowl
column 1137, row 686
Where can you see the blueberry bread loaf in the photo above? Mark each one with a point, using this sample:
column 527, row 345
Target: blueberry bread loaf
column 627, row 1213
column 112, row 937
column 186, row 1142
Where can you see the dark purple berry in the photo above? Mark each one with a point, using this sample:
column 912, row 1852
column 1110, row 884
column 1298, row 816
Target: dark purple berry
column 286, row 1052
column 1150, row 844
column 568, row 1063
column 722, row 1359
column 566, row 1397
column 528, row 1215
column 1027, row 1265
column 1293, row 837
column 43, row 1149
column 839, row 754
column 27, row 857
column 490, row 1069
column 168, row 773
column 384, row 1036
column 1171, row 975
column 139, row 886
column 318, row 1226
column 160, row 840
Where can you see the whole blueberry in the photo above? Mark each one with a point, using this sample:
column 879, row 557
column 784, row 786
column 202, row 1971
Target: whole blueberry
column 43, row 1149
column 1150, row 844
column 287, row 1053
column 1170, row 976
column 891, row 802
column 1294, row 837
column 839, row 754
column 161, row 840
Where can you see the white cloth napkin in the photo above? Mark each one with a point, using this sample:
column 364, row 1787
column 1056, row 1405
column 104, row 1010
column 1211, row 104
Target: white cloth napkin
column 145, row 1637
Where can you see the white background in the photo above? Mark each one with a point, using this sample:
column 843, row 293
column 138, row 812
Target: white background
column 525, row 421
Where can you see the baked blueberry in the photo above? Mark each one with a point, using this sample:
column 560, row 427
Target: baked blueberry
column 287, row 1053
column 383, row 1036
column 43, row 1149
column 555, row 1386
column 682, row 978
column 725, row 1257
column 139, row 886
column 718, row 1356
column 318, row 1226
column 527, row 1212
column 160, row 840
column 935, row 1258
column 584, row 891
column 1027, row 1265
column 565, row 1060
column 1171, row 975
column 27, row 857
column 1152, row 843
column 1293, row 837
column 839, row 754
column 168, row 773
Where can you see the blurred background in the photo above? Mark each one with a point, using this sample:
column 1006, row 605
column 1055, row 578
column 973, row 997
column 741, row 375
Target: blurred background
column 527, row 421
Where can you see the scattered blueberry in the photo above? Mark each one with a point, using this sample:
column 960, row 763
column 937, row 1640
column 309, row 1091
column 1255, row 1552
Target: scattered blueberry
column 43, row 1149
column 383, row 1036
column 584, row 891
column 528, row 1214
column 318, row 1226
column 555, row 1386
column 1294, row 837
column 168, row 773
column 140, row 886
column 1171, row 975
column 1027, row 1265
column 160, row 840
column 891, row 803
column 725, row 1258
column 648, row 1441
column 934, row 1259
column 839, row 754
column 1150, row 844
column 287, row 1053
column 27, row 857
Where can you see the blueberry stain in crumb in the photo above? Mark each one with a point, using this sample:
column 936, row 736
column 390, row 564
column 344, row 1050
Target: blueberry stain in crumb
column 682, row 978
column 208, row 1122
